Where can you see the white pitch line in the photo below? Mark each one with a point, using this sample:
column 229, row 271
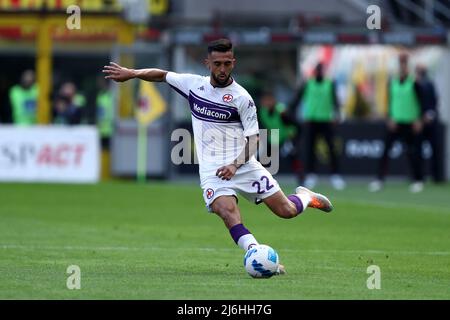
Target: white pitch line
column 300, row 251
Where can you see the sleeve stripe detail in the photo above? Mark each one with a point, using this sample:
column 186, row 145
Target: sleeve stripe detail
column 179, row 91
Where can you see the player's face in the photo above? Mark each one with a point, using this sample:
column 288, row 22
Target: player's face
column 221, row 65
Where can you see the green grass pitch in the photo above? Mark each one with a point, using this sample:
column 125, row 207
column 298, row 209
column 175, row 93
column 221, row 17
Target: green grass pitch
column 156, row 241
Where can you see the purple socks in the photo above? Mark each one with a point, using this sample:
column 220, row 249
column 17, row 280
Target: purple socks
column 297, row 202
column 238, row 231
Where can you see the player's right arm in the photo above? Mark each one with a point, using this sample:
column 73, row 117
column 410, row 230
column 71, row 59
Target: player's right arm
column 120, row 74
column 251, row 146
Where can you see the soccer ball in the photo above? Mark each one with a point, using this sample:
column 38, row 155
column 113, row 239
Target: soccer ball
column 261, row 261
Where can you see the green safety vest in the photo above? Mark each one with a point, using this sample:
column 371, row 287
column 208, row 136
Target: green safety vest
column 274, row 121
column 105, row 114
column 404, row 104
column 79, row 100
column 318, row 100
column 23, row 102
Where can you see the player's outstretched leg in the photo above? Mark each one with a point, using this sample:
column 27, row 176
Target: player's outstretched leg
column 317, row 200
column 294, row 204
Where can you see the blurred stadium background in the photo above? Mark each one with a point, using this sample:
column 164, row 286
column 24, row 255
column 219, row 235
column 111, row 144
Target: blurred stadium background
column 277, row 44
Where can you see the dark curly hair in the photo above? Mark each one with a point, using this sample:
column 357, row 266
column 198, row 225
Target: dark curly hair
column 220, row 45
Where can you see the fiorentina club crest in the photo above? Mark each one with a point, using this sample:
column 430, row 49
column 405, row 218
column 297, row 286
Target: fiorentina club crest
column 209, row 193
column 227, row 98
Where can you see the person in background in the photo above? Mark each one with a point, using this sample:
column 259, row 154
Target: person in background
column 274, row 115
column 69, row 104
column 69, row 90
column 404, row 121
column 320, row 114
column 23, row 98
column 104, row 113
column 428, row 99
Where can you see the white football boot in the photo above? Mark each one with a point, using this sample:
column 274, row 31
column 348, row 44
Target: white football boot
column 318, row 201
